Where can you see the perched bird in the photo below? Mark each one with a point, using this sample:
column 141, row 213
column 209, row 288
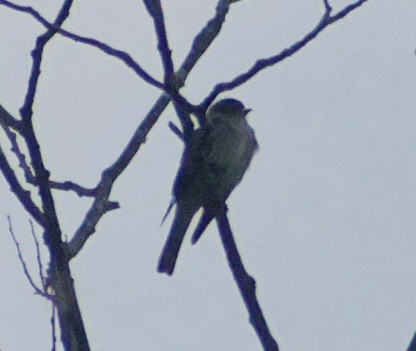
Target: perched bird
column 213, row 163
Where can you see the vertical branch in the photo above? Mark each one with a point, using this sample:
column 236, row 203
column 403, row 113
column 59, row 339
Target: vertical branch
column 22, row 194
column 38, row 257
column 154, row 8
column 73, row 333
column 18, row 153
column 246, row 284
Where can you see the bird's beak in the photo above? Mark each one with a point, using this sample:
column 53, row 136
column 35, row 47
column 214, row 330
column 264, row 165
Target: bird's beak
column 247, row 110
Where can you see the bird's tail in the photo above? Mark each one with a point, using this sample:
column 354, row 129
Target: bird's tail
column 177, row 232
column 205, row 220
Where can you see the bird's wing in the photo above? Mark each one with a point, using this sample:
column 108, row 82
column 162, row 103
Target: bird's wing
column 188, row 185
column 231, row 151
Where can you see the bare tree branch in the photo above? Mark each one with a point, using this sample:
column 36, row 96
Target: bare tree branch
column 328, row 7
column 38, row 257
column 73, row 333
column 182, row 107
column 119, row 54
column 110, row 175
column 8, row 119
column 173, row 127
column 21, row 194
column 30, row 178
column 154, row 8
column 78, row 189
column 52, row 239
column 185, row 119
column 99, row 208
column 246, row 283
column 262, row 64
column 53, row 327
column 22, row 261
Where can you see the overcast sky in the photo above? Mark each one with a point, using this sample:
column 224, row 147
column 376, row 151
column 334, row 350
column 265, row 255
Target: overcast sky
column 325, row 218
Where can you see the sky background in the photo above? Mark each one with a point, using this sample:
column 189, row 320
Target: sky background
column 325, row 218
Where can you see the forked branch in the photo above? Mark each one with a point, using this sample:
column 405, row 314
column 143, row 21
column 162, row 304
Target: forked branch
column 264, row 63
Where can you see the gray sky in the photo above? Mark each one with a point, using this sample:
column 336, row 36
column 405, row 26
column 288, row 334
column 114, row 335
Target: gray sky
column 324, row 219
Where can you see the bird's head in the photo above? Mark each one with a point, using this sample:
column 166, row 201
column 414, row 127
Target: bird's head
column 227, row 109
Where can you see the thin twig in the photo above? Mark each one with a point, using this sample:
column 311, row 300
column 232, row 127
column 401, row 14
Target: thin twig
column 328, row 7
column 38, row 257
column 22, row 261
column 22, row 194
column 185, row 119
column 262, row 64
column 8, row 119
column 182, row 106
column 203, row 40
column 173, row 127
column 53, row 327
column 30, row 178
column 246, row 284
column 119, row 54
column 78, row 189
column 73, row 334
column 155, row 10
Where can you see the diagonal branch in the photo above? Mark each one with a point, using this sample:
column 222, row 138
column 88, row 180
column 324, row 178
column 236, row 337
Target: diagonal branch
column 119, row 54
column 21, row 194
column 182, row 107
column 26, row 110
column 38, row 257
column 154, row 8
column 100, row 205
column 7, row 119
column 172, row 126
column 262, row 64
column 246, row 283
column 203, row 40
column 30, row 178
column 22, row 261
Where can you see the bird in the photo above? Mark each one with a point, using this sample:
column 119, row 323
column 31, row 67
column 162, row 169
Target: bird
column 213, row 163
